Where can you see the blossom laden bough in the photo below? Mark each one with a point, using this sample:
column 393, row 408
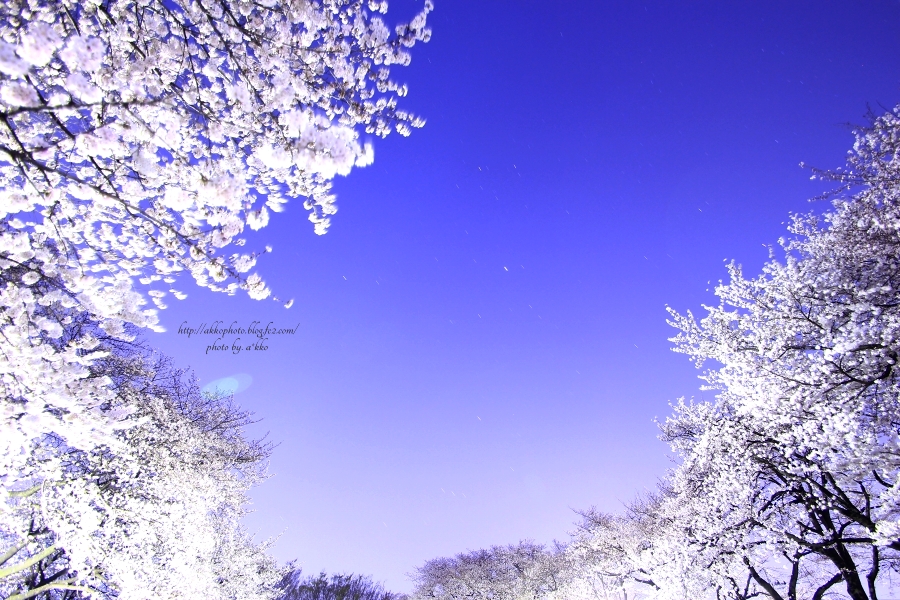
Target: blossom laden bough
column 154, row 132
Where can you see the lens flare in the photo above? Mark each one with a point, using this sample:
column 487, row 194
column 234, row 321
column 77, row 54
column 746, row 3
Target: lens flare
column 232, row 384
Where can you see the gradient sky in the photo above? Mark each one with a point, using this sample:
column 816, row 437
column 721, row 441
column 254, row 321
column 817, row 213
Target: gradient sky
column 482, row 344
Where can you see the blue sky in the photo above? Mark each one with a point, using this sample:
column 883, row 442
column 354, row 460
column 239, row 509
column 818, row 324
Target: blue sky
column 482, row 340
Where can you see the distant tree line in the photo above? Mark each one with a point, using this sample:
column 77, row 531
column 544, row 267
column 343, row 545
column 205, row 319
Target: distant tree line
column 294, row 586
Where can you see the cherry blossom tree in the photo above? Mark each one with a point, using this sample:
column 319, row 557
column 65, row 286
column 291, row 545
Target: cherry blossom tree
column 138, row 140
column 637, row 554
column 794, row 469
column 522, row 571
column 159, row 519
column 787, row 484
